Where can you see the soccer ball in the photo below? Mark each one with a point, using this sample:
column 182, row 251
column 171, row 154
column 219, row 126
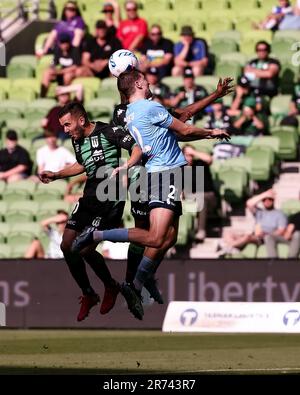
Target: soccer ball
column 122, row 60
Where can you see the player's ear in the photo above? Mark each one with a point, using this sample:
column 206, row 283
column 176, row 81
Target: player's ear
column 82, row 121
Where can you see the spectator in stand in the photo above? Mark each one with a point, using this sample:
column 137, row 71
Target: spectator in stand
column 190, row 52
column 52, row 157
column 218, row 117
column 112, row 17
column 96, row 53
column 54, row 233
column 65, row 64
column 63, row 96
column 132, row 31
column 15, row 162
column 250, row 123
column 157, row 52
column 271, row 224
column 263, row 71
column 294, row 111
column 272, row 21
column 292, row 235
column 188, row 93
column 234, row 240
column 242, row 92
column 71, row 24
column 159, row 90
column 207, row 200
column 77, row 182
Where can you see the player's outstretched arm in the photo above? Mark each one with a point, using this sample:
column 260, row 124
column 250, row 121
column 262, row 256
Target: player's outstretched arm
column 223, row 89
column 68, row 171
column 186, row 132
column 135, row 158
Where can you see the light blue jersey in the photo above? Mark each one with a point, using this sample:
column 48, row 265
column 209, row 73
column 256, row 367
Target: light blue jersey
column 148, row 123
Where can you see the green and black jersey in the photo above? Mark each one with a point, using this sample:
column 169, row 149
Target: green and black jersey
column 101, row 148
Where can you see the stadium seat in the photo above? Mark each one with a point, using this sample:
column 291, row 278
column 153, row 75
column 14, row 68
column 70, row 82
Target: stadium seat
column 151, row 6
column 209, row 82
column 233, row 184
column 40, row 215
column 24, row 205
column 91, row 86
column 24, row 185
column 28, row 227
column 18, row 250
column 11, row 109
column 249, row 251
column 38, row 109
column 14, row 71
column 18, row 216
column 40, row 41
column 282, row 251
column 217, row 6
column 16, row 195
column 16, row 238
column 42, row 65
column 214, row 25
column 262, row 161
column 2, row 186
column 269, row 141
column 19, row 124
column 221, row 46
column 233, row 35
column 5, row 84
column 172, row 82
column 280, row 105
column 5, row 251
column 290, row 207
column 99, row 107
column 55, row 205
column 3, row 209
column 24, row 59
column 236, row 57
column 225, row 69
column 288, row 141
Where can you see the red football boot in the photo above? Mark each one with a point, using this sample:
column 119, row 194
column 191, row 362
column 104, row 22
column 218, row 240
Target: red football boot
column 87, row 302
column 110, row 297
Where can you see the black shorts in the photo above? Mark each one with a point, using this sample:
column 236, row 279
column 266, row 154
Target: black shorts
column 90, row 212
column 164, row 190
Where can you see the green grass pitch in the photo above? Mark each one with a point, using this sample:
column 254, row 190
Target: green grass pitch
column 131, row 352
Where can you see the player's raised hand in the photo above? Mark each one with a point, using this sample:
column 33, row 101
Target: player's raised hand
column 47, row 176
column 220, row 134
column 224, row 87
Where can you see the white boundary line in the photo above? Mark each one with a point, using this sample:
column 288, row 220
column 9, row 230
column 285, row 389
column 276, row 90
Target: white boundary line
column 233, row 370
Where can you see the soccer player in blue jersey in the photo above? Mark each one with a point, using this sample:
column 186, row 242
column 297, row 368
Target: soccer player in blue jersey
column 156, row 132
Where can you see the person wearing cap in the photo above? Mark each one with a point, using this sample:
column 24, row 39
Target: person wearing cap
column 71, row 23
column 270, row 223
column 188, row 93
column 112, row 17
column 251, row 123
column 157, row 51
column 159, row 90
column 63, row 97
column 190, row 52
column 97, row 52
column 263, row 71
column 65, row 64
column 218, row 117
column 15, row 162
column 133, row 30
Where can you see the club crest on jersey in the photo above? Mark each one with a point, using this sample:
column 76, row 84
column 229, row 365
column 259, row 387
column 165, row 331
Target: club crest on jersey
column 96, row 222
column 95, row 142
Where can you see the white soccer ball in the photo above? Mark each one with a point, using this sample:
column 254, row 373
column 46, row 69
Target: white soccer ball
column 122, row 60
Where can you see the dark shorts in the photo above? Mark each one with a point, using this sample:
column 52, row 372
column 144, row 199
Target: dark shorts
column 89, row 212
column 164, row 190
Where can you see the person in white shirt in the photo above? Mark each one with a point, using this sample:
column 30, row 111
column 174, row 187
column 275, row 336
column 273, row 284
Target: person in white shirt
column 52, row 157
column 36, row 249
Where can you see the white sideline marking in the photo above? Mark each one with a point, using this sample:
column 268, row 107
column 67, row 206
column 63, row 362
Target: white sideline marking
column 283, row 370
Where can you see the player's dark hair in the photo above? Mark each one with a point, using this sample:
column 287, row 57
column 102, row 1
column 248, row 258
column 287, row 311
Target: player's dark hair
column 74, row 108
column 126, row 83
column 262, row 42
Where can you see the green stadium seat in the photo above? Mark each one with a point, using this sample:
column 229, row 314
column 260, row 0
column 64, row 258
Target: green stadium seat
column 282, row 251
column 59, row 186
column 290, row 207
column 209, row 82
column 38, row 109
column 152, row 6
column 100, row 107
column 10, row 109
column 240, row 162
column 280, row 105
column 222, row 46
column 214, row 6
column 282, row 34
column 269, row 141
column 228, row 69
column 18, row 216
column 249, row 251
column 239, row 5
column 24, row 185
column 18, row 251
column 24, row 59
column 5, row 251
column 24, row 205
column 2, row 186
column 14, row 71
column 236, row 57
column 91, row 86
column 214, row 25
column 3, row 209
column 288, row 142
column 172, row 82
column 33, row 228
column 5, row 84
column 40, row 41
column 55, row 205
column 282, row 45
column 16, row 195
column 233, row 184
column 43, row 214
column 44, row 63
column 232, row 35
column 18, row 124
column 262, row 160
column 16, row 238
